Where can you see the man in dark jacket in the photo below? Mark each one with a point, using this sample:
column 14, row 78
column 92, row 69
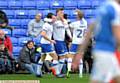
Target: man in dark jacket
column 27, row 57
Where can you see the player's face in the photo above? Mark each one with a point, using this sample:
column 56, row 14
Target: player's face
column 37, row 17
column 30, row 45
column 60, row 14
column 53, row 18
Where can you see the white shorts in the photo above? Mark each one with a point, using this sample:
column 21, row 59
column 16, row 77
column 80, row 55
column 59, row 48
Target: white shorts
column 105, row 66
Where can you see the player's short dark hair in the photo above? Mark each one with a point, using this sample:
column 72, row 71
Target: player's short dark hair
column 49, row 15
column 59, row 9
column 65, row 16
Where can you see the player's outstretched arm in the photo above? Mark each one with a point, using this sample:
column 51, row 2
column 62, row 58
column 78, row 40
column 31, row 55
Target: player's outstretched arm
column 43, row 34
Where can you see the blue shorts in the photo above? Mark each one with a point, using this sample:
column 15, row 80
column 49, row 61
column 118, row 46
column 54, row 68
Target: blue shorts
column 47, row 48
column 73, row 49
column 61, row 48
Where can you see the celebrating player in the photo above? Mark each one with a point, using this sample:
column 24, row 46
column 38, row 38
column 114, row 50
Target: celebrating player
column 60, row 26
column 79, row 27
column 47, row 45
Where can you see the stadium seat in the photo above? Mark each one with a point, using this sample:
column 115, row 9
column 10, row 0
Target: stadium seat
column 15, row 4
column 10, row 13
column 23, row 40
column 42, row 4
column 19, row 32
column 72, row 14
column 56, row 4
column 15, row 23
column 84, row 4
column 88, row 13
column 28, row 4
column 68, row 12
column 3, row 4
column 96, row 3
column 21, row 14
column 32, row 13
column 16, row 51
column 14, row 41
column 24, row 23
column 45, row 12
column 7, row 32
column 70, row 4
column 37, row 41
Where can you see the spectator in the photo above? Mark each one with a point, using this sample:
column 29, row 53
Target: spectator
column 7, row 42
column 27, row 57
column 35, row 26
column 4, row 21
column 5, row 60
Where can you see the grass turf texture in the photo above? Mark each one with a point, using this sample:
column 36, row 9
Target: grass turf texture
column 46, row 78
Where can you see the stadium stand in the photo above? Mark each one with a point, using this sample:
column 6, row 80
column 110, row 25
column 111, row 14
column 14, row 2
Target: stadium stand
column 23, row 40
column 14, row 4
column 14, row 41
column 20, row 12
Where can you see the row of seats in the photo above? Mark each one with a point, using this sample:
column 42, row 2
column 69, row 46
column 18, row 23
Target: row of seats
column 23, row 23
column 16, row 32
column 30, row 14
column 18, row 43
column 22, row 40
column 46, row 4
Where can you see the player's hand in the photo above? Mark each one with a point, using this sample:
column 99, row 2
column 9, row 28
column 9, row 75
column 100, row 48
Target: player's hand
column 52, row 42
column 76, row 61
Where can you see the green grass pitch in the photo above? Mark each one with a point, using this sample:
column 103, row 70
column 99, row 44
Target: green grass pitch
column 46, row 78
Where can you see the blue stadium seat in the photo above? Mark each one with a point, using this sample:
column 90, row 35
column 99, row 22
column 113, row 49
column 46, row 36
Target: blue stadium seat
column 19, row 32
column 56, row 4
column 72, row 14
column 45, row 12
column 32, row 13
column 14, row 41
column 15, row 4
column 96, row 3
column 10, row 13
column 70, row 4
column 21, row 14
column 15, row 23
column 16, row 51
column 23, row 40
column 3, row 4
column 24, row 23
column 37, row 41
column 68, row 12
column 7, row 31
column 29, row 4
column 88, row 13
column 84, row 4
column 42, row 4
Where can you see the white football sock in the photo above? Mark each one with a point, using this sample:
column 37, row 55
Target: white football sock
column 69, row 64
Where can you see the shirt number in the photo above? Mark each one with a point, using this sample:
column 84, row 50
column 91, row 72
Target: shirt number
column 80, row 32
